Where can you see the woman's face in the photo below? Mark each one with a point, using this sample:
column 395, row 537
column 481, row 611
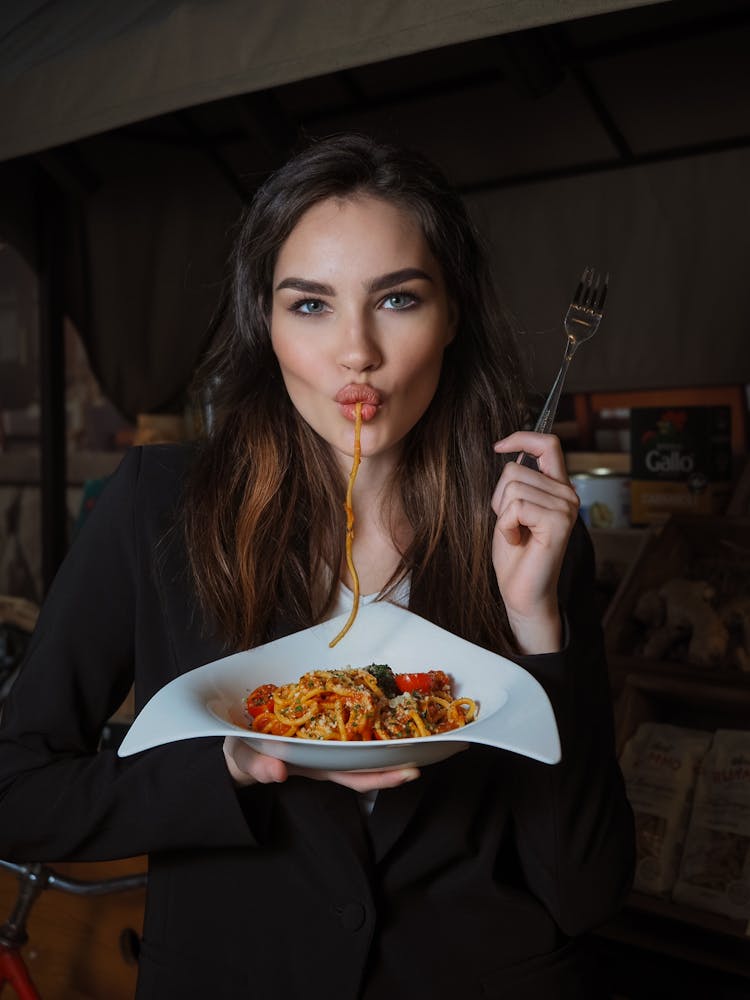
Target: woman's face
column 359, row 313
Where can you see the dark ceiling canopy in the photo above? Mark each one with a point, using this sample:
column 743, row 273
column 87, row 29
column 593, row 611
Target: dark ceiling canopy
column 192, row 104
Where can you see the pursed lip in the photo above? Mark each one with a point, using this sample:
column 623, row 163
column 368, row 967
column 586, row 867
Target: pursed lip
column 359, row 393
column 354, row 393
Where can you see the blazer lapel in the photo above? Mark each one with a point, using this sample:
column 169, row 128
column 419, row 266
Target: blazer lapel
column 393, row 810
column 193, row 642
column 328, row 816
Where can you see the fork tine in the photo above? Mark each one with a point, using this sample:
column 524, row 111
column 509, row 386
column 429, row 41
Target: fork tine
column 580, row 291
column 593, row 289
column 598, row 306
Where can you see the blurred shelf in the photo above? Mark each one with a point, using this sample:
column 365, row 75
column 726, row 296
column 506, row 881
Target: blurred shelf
column 584, row 461
column 666, row 909
column 656, row 925
column 676, row 694
column 23, row 468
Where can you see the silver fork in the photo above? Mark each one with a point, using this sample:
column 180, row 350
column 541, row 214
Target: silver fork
column 580, row 322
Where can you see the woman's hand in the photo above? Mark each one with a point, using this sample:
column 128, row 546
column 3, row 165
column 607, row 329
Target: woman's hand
column 535, row 512
column 248, row 768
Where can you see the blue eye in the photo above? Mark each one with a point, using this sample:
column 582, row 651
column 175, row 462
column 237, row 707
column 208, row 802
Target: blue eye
column 399, row 300
column 309, row 307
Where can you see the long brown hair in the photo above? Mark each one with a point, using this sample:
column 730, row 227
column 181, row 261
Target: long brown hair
column 263, row 511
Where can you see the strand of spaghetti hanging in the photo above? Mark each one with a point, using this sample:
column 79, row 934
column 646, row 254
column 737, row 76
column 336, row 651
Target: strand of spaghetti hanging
column 349, row 508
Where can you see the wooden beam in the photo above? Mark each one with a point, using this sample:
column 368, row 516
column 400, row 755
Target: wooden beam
column 603, row 166
column 207, row 147
column 52, row 379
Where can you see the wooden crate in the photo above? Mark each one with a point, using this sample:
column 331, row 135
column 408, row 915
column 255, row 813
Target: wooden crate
column 713, row 548
column 692, row 702
column 616, row 552
column 679, row 694
column 681, row 700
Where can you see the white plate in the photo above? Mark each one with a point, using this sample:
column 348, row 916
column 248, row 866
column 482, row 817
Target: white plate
column 514, row 711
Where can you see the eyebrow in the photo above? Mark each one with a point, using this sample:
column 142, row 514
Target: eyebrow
column 397, row 278
column 303, row 285
column 376, row 285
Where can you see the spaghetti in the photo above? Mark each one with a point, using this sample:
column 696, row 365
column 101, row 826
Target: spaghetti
column 359, row 704
column 349, row 508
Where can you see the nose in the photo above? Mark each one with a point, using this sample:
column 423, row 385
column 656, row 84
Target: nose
column 359, row 350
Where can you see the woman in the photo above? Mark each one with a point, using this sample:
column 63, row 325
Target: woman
column 357, row 277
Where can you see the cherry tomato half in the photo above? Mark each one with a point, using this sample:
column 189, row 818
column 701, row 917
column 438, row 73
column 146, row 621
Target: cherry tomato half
column 421, row 683
column 260, row 700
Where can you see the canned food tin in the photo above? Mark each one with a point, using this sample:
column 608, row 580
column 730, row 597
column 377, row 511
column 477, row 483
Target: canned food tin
column 605, row 499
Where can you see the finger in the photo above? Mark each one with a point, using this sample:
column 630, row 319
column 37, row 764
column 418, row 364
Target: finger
column 361, row 781
column 247, row 766
column 548, row 525
column 268, row 769
column 516, row 478
column 368, row 781
column 545, row 448
column 522, row 499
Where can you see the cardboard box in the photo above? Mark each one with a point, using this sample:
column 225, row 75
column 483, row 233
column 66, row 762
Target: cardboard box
column 681, row 461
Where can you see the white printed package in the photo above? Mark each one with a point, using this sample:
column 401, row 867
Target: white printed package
column 715, row 870
column 659, row 764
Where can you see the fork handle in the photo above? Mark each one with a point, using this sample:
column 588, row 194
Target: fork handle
column 528, row 460
column 549, row 410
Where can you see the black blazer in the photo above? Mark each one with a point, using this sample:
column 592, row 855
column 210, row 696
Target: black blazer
column 472, row 881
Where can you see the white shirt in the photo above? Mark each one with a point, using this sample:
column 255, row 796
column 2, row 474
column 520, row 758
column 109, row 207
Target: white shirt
column 344, row 598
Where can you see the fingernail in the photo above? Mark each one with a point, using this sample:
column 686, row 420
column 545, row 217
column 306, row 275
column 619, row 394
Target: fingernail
column 409, row 774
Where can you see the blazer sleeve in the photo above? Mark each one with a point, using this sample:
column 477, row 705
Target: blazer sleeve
column 60, row 797
column 574, row 826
